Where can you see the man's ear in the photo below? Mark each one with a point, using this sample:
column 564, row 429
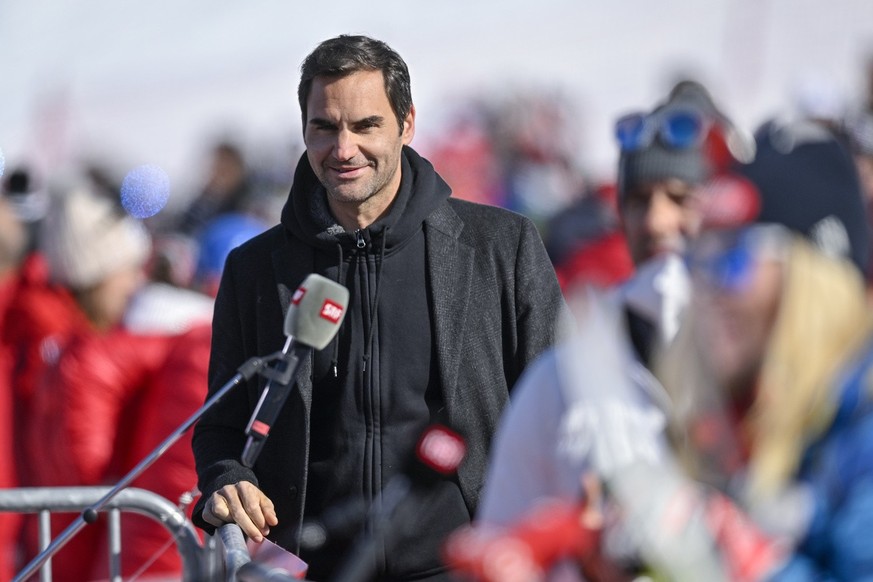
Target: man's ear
column 408, row 129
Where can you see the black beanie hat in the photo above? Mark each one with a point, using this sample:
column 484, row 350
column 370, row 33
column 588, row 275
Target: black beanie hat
column 658, row 161
column 807, row 181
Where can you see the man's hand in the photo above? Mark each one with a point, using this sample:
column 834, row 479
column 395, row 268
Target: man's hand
column 244, row 504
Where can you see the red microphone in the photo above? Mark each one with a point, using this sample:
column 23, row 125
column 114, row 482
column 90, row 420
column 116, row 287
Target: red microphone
column 436, row 457
column 525, row 551
column 749, row 554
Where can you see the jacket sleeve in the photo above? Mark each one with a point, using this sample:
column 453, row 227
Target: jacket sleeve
column 219, row 436
column 541, row 314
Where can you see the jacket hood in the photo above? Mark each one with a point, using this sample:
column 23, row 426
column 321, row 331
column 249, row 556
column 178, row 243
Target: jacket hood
column 307, row 216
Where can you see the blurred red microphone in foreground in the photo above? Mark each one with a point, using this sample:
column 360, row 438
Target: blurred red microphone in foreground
column 526, row 551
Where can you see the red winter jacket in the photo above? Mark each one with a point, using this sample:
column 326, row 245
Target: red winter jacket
column 117, row 398
column 42, row 319
column 178, row 390
column 86, row 412
column 94, row 405
column 9, row 522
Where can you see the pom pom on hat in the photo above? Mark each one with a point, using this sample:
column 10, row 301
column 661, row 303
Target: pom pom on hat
column 85, row 238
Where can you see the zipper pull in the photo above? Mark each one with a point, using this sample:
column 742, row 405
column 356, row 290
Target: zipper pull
column 359, row 239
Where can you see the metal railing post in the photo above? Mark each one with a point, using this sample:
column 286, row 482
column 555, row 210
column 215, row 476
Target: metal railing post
column 115, row 544
column 45, row 538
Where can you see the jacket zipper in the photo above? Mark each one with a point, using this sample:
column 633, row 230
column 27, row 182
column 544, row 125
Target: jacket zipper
column 367, row 379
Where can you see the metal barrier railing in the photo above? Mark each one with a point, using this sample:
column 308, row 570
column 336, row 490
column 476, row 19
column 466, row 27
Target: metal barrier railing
column 238, row 563
column 222, row 558
column 197, row 563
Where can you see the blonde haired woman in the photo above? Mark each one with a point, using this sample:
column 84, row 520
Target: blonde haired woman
column 770, row 376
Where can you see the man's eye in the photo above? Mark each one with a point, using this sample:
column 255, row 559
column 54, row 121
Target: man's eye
column 680, row 199
column 321, row 126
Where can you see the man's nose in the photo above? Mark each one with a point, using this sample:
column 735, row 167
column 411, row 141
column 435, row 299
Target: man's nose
column 346, row 146
column 664, row 217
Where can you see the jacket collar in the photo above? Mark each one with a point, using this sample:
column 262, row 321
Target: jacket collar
column 450, row 268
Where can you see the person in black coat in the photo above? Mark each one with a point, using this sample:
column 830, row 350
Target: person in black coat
column 449, row 302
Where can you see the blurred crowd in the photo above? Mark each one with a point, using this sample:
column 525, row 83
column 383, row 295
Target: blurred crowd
column 105, row 320
column 106, row 334
column 712, row 416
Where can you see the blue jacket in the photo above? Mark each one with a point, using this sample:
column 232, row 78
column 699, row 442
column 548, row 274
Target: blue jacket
column 838, row 470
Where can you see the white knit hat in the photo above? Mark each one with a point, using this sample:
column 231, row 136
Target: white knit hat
column 85, row 239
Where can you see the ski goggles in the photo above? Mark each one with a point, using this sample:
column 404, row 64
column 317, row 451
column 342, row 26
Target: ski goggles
column 725, row 260
column 677, row 128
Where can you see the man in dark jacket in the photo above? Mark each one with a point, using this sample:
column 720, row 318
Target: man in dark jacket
column 449, row 302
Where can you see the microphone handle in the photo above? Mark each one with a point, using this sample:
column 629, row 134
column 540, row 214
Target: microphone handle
column 252, row 451
column 272, row 400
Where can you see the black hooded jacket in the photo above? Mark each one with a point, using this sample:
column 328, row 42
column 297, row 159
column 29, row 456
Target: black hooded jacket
column 448, row 302
column 376, row 388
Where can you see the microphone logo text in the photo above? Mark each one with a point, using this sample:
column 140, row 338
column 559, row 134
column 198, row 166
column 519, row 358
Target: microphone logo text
column 331, row 311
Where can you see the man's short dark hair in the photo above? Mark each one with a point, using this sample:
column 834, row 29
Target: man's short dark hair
column 341, row 56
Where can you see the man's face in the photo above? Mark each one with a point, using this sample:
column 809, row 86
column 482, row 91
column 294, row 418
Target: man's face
column 659, row 217
column 353, row 142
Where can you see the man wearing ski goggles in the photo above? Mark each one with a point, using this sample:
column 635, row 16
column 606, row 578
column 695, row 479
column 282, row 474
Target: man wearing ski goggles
column 665, row 154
